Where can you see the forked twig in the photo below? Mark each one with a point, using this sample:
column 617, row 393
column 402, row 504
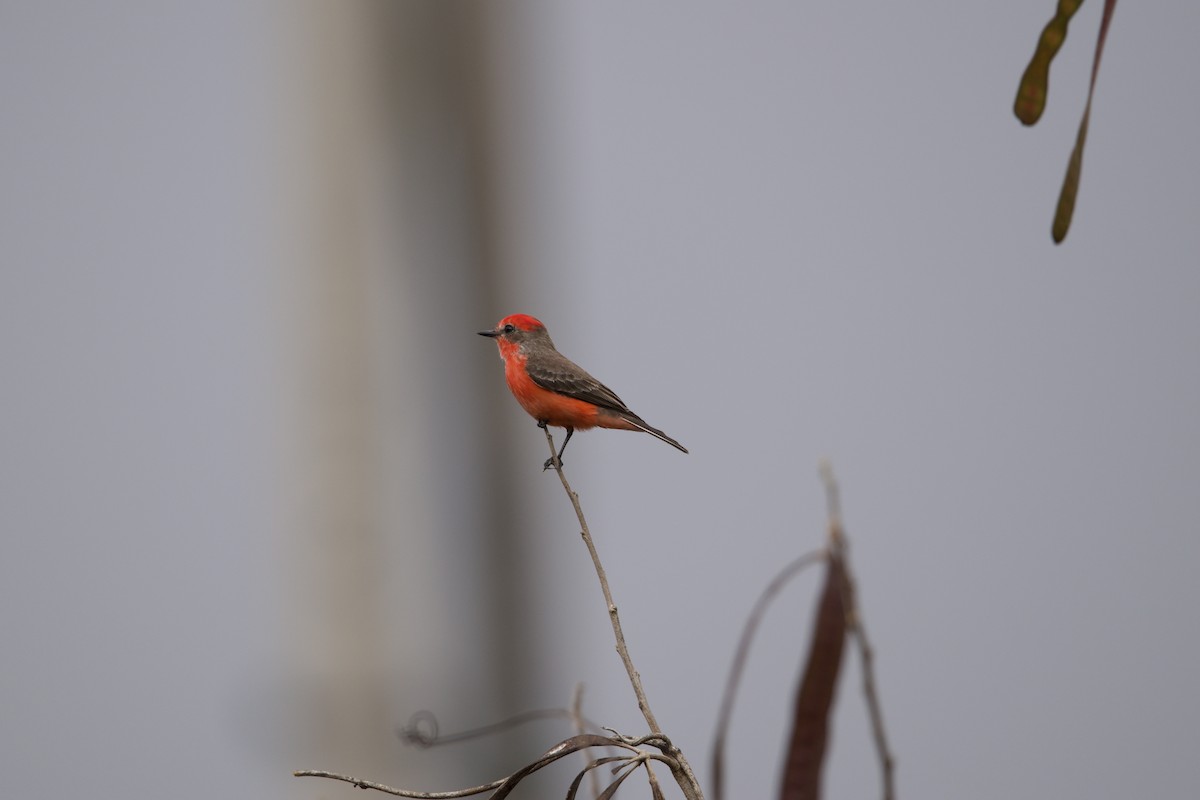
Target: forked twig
column 669, row 754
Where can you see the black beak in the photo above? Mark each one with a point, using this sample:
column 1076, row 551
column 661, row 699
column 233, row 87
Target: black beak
column 490, row 334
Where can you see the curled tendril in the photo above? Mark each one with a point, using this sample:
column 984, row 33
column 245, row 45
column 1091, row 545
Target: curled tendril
column 421, row 730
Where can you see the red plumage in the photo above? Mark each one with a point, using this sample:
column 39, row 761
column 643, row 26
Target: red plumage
column 556, row 391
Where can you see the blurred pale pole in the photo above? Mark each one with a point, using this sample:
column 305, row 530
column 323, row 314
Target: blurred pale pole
column 381, row 184
column 335, row 524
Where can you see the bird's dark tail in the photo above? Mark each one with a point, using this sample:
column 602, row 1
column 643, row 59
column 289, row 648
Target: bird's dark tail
column 641, row 425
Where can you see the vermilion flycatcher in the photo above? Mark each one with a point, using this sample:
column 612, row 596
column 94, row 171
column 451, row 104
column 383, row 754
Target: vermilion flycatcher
column 556, row 391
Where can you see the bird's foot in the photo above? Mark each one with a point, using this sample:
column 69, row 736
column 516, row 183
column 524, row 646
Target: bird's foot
column 552, row 461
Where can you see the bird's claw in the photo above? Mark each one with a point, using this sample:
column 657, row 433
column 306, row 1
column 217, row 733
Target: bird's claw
column 553, row 461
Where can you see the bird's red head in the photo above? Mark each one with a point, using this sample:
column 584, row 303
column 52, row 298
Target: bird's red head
column 517, row 332
column 522, row 322
column 514, row 327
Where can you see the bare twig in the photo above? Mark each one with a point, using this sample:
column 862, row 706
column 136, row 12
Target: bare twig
column 739, row 662
column 578, row 720
column 682, row 771
column 887, row 763
column 614, row 617
column 655, row 790
column 854, row 621
column 413, row 734
column 379, row 787
column 505, row 785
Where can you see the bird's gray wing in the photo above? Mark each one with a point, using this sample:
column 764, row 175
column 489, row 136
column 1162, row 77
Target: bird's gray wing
column 558, row 374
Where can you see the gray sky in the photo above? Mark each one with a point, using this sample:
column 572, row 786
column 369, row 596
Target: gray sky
column 780, row 233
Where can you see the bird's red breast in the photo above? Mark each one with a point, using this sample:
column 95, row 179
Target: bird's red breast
column 542, row 404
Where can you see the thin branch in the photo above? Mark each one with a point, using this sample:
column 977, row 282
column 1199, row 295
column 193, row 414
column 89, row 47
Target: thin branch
column 682, row 772
column 578, row 720
column 593, row 768
column 379, row 787
column 634, row 678
column 503, row 786
column 739, row 661
column 655, row 789
column 854, row 621
column 658, row 740
column 887, row 762
column 413, row 734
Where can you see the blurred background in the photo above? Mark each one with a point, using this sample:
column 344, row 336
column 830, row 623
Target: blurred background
column 264, row 494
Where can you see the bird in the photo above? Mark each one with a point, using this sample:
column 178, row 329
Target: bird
column 555, row 390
